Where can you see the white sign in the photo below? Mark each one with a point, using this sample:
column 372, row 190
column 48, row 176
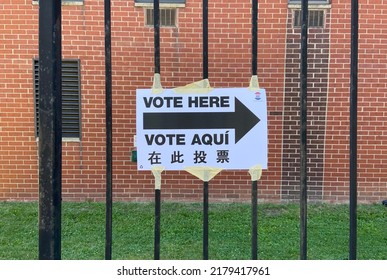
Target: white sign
column 225, row 128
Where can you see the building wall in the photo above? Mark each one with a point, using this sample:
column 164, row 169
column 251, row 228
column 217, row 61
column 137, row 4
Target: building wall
column 371, row 103
column 318, row 66
column 181, row 63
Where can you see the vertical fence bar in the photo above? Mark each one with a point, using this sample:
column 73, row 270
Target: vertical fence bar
column 254, row 36
column 156, row 26
column 157, row 224
column 109, row 137
column 254, row 220
column 50, row 129
column 205, row 221
column 254, row 187
column 205, row 39
column 205, row 76
column 353, row 130
column 303, row 130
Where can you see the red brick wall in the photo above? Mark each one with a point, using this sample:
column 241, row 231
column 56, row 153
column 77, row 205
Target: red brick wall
column 18, row 148
column 372, row 131
column 181, row 63
column 318, row 65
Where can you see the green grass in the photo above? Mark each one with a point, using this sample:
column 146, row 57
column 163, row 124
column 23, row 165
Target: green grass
column 83, row 231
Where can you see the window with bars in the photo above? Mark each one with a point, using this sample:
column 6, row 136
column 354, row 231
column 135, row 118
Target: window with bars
column 167, row 17
column 314, row 2
column 71, row 91
column 161, row 1
column 315, row 18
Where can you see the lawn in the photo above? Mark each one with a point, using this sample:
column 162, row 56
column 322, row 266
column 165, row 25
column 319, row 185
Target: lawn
column 83, row 231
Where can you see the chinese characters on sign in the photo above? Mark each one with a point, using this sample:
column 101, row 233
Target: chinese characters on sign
column 177, row 157
column 226, row 128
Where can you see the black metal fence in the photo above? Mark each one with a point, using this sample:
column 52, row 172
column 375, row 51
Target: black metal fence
column 50, row 137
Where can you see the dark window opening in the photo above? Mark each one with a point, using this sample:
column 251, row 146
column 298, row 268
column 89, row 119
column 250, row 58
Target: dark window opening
column 314, row 2
column 315, row 18
column 167, row 17
column 161, row 1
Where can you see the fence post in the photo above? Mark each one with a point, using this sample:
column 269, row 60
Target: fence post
column 205, row 76
column 156, row 171
column 353, row 130
column 50, row 129
column 303, row 130
column 255, row 173
column 156, row 253
column 205, row 39
column 109, row 136
column 205, row 174
column 254, row 36
column 205, row 220
column 156, row 26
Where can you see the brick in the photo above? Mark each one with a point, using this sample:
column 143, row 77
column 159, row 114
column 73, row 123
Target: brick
column 230, row 58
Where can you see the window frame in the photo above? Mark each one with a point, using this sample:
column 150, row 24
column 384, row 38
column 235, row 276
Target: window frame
column 310, row 2
column 163, row 16
column 163, row 3
column 64, row 2
column 316, row 18
column 69, row 132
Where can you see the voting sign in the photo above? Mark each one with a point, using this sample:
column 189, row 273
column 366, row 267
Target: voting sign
column 225, row 128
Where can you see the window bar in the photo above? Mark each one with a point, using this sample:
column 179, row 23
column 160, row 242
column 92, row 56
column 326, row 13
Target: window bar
column 109, row 139
column 303, row 130
column 50, row 130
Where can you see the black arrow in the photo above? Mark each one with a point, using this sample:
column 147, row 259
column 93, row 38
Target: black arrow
column 242, row 120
